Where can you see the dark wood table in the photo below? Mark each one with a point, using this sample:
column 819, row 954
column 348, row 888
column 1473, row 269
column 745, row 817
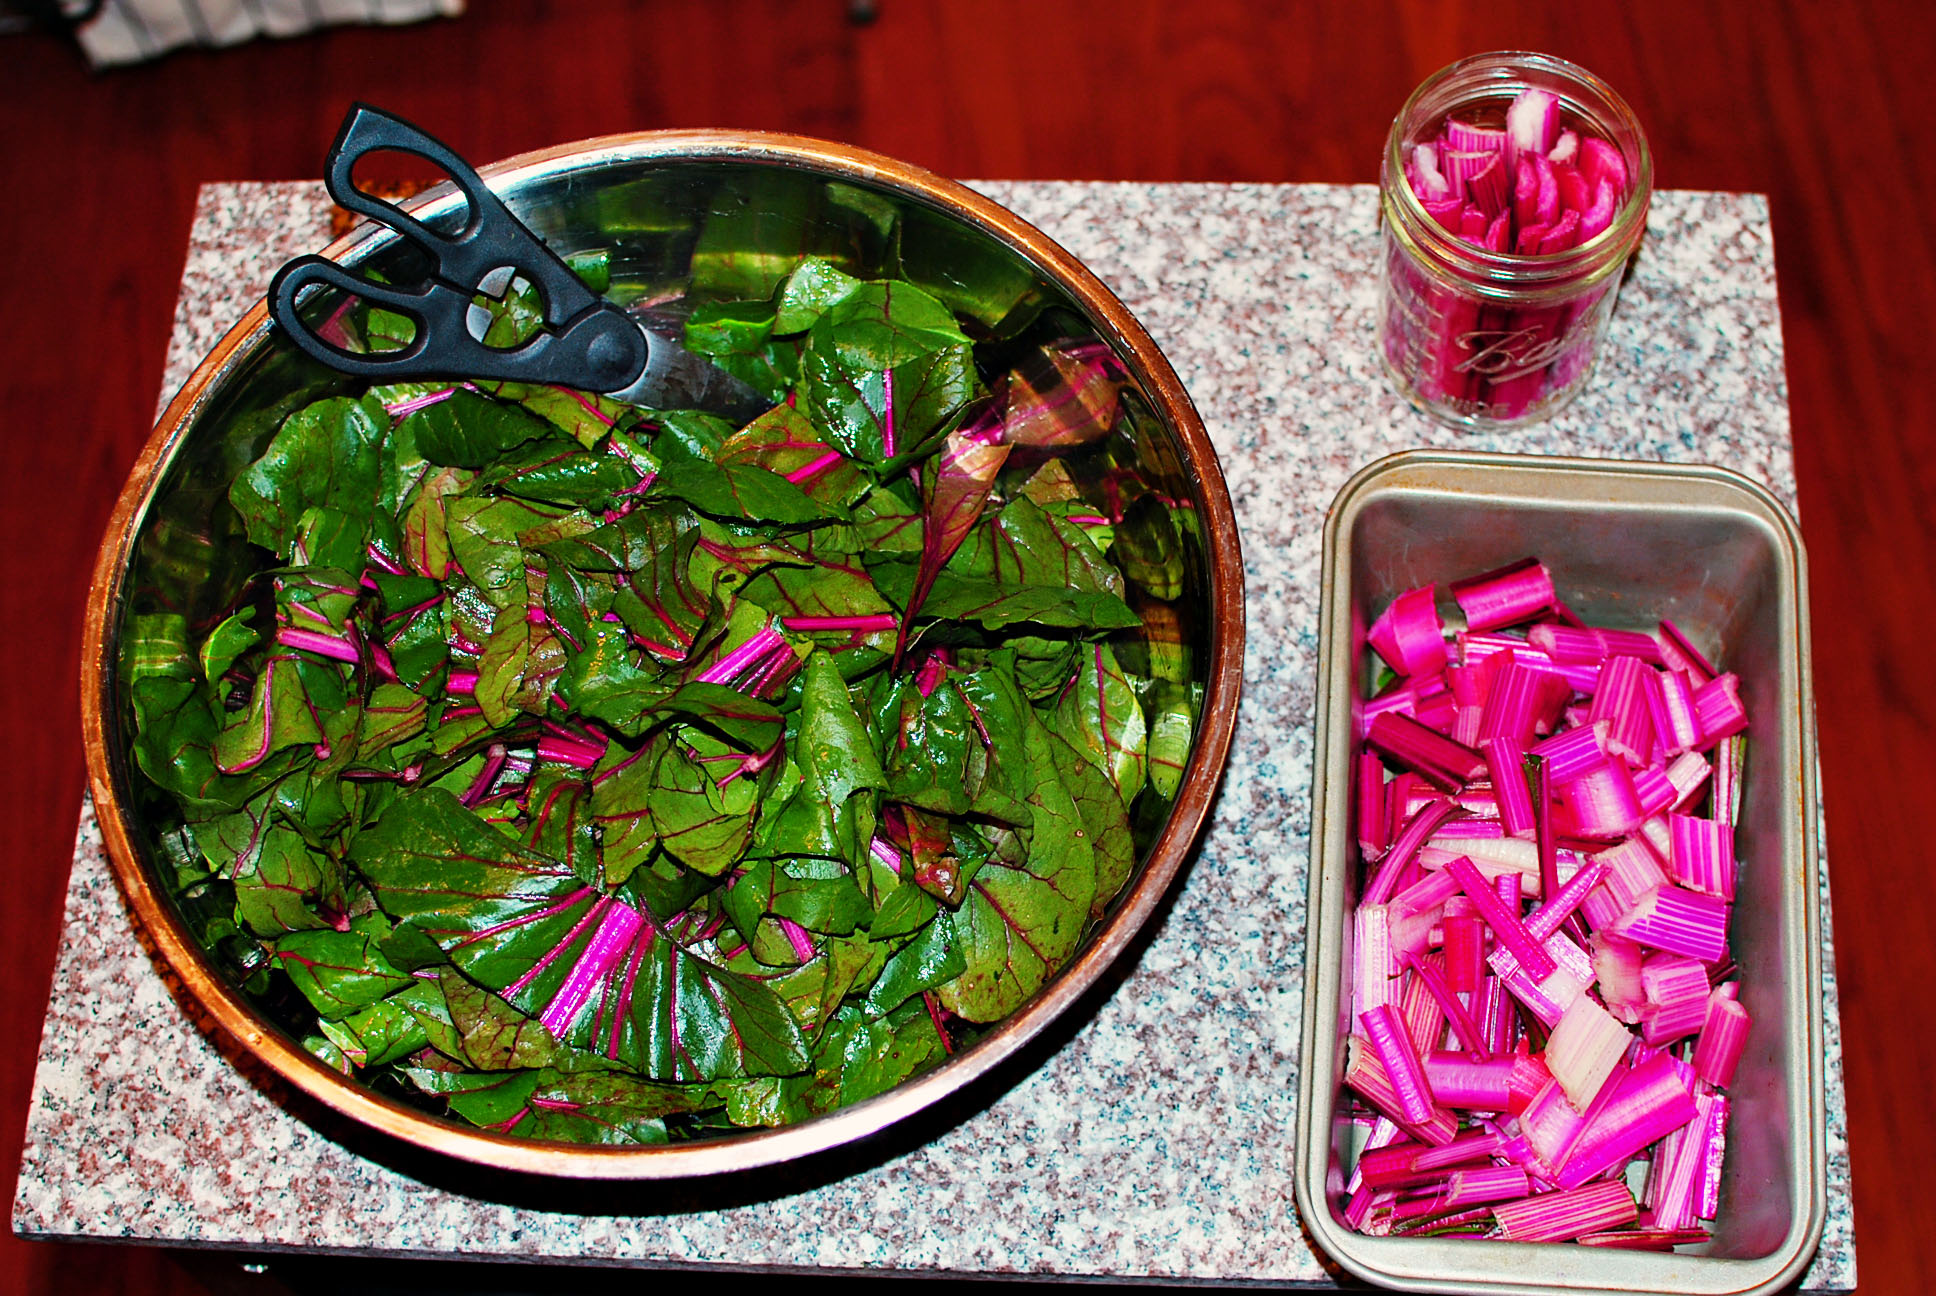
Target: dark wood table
column 1823, row 107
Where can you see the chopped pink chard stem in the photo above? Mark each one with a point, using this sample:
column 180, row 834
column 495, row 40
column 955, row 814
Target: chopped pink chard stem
column 1650, row 1239
column 1475, row 647
column 1601, row 908
column 1602, row 803
column 1408, row 634
column 1643, row 1106
column 1427, row 894
column 1491, row 190
column 1677, row 921
column 1413, row 933
column 1617, row 967
column 1497, row 1017
column 1422, row 1016
column 1677, row 729
column 1562, row 1216
column 1633, row 868
column 1533, row 123
column 1372, row 838
column 1456, row 1080
column 1465, row 952
column 1546, row 920
column 1654, row 792
column 322, row 645
column 1724, row 1036
column 1548, row 997
column 1357, row 1211
column 1416, row 832
column 1474, row 1145
column 1714, row 1141
column 1365, row 1074
column 1394, row 1166
column 1523, row 700
column 1729, row 760
column 464, row 682
column 1467, row 1030
column 1584, row 1049
column 1505, row 597
column 1689, row 773
column 1431, row 755
column 1679, row 654
column 1572, row 754
column 1550, row 1124
column 1624, row 704
column 1504, row 922
column 1394, row 1049
column 1718, row 708
column 1373, row 956
column 1564, row 643
column 1701, row 854
column 1466, row 137
column 1482, row 1187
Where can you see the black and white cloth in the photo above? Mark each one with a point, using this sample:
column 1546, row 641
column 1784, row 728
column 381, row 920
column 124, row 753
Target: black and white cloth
column 128, row 31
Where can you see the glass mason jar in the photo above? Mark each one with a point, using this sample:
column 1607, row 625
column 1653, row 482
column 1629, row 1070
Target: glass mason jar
column 1479, row 337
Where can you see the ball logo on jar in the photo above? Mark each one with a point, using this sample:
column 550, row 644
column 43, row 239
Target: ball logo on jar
column 1502, row 354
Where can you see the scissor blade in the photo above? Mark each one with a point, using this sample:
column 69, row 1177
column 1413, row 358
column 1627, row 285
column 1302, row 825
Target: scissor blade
column 675, row 378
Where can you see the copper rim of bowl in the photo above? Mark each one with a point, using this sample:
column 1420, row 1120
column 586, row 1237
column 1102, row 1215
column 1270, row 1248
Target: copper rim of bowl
column 154, row 914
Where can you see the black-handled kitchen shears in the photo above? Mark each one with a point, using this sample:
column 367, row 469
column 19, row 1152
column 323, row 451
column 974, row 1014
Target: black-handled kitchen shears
column 588, row 343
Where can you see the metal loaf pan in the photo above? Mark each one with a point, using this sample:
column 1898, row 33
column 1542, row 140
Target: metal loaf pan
column 1628, row 544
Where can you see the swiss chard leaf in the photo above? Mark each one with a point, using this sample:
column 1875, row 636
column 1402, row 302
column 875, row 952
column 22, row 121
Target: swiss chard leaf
column 932, row 958
column 1102, row 718
column 484, row 540
column 328, row 453
column 831, row 809
column 426, row 521
column 383, row 1032
column 1104, row 817
column 738, row 491
column 955, row 487
column 783, row 441
column 493, row 1035
column 340, row 972
column 809, row 292
column 497, row 909
column 885, row 367
column 1028, row 905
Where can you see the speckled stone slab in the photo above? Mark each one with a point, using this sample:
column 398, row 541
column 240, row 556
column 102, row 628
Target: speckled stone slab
column 1152, row 1139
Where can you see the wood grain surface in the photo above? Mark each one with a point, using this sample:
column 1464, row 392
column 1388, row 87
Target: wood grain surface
column 1827, row 108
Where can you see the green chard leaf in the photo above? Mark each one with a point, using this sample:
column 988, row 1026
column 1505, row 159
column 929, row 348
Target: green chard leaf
column 327, row 454
column 340, row 972
column 1104, row 721
column 830, row 810
column 885, row 367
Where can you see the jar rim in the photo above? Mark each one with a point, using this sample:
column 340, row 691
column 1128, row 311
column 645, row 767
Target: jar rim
column 1491, row 75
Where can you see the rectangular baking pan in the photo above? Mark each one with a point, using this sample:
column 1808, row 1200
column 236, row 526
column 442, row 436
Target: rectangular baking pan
column 1628, row 544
